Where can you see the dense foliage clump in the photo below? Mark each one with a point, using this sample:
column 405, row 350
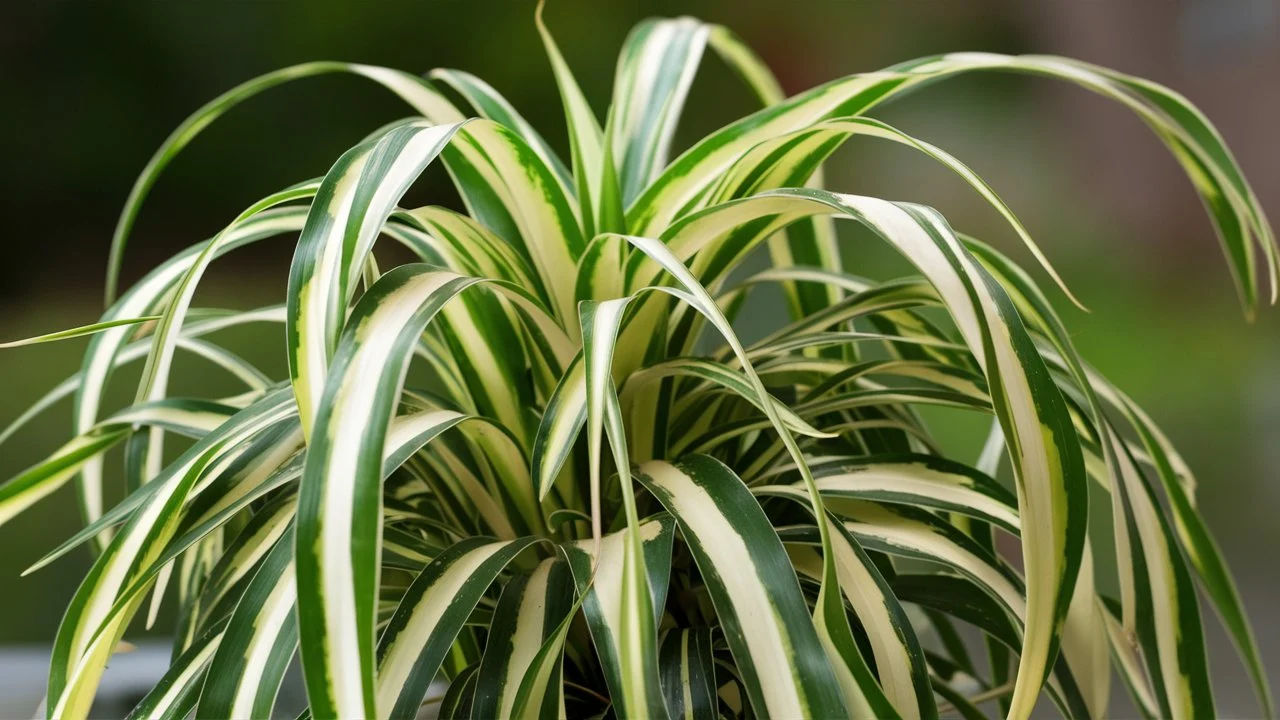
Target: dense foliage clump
column 582, row 510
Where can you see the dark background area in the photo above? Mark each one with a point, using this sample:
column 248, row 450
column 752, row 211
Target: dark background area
column 88, row 90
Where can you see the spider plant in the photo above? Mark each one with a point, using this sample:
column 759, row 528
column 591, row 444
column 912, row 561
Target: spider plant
column 594, row 499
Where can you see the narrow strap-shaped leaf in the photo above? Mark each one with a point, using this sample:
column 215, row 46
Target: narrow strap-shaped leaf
column 802, row 341
column 352, row 202
column 719, row 375
column 531, row 608
column 641, row 688
column 42, row 479
column 752, row 585
column 81, row 331
column 175, row 695
column 1168, row 613
column 894, row 299
column 1190, row 137
column 1191, row 531
column 192, row 418
column 233, row 571
column 412, row 90
column 264, row 463
column 1203, row 554
column 484, row 338
column 562, row 420
column 922, row 535
column 971, row 602
column 258, row 644
column 506, row 187
column 340, row 511
column 1039, row 313
column 600, row 270
column 690, row 175
column 429, row 617
column 358, row 195
column 899, row 660
column 62, row 390
column 1193, row 141
column 1085, row 633
column 913, row 533
column 259, row 467
column 655, row 69
column 540, row 693
column 599, row 198
column 150, row 295
column 155, row 374
column 492, row 105
column 689, row 674
column 813, row 242
column 458, row 699
column 1085, row 643
column 464, row 245
column 739, row 57
column 487, row 368
column 599, row 571
column 1128, row 663
column 93, row 622
column 837, row 403
column 921, row 480
column 186, row 417
column 788, row 160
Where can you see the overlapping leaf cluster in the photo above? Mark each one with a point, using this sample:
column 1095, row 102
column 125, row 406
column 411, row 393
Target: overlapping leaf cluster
column 583, row 512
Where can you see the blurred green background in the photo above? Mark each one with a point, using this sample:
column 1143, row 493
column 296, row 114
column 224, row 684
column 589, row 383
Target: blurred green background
column 90, row 89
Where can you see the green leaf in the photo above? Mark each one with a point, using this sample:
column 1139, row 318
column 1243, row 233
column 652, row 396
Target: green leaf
column 655, row 69
column 95, row 619
column 637, row 649
column 491, row 105
column 903, row 675
column 458, row 699
column 340, row 510
column 386, row 531
column 79, row 332
column 429, row 617
column 599, row 199
column 531, row 608
column 923, row 481
column 149, row 295
column 689, row 673
column 629, row 656
column 258, row 643
column 412, row 90
column 1049, row 468
column 752, row 586
column 175, row 695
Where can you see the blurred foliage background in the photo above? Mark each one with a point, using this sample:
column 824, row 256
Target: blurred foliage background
column 89, row 89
